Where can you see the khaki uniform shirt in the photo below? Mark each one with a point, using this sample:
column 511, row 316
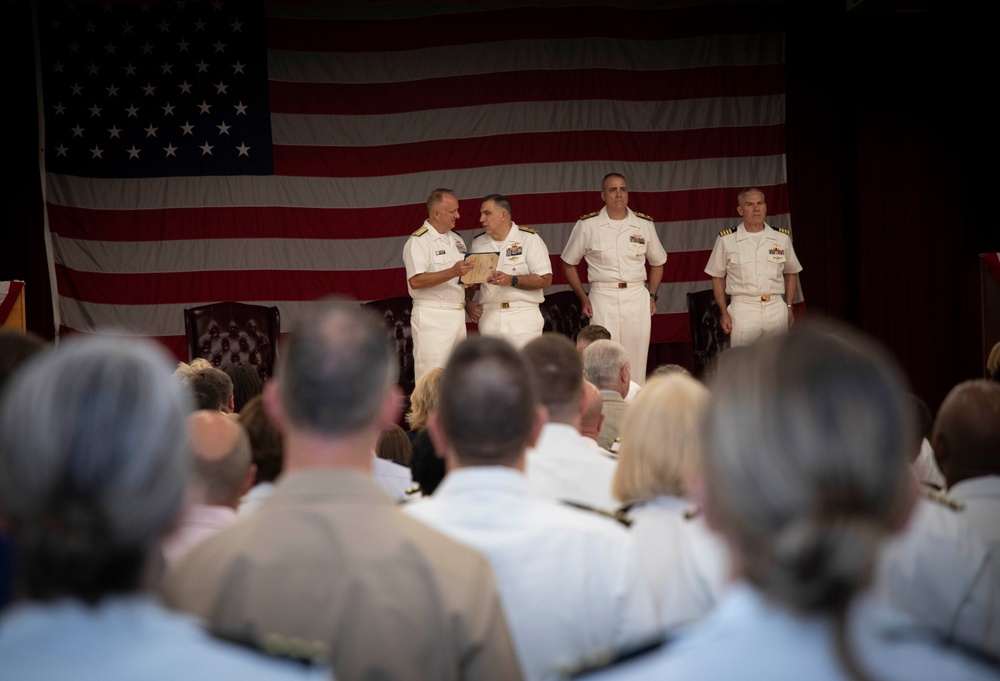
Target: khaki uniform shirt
column 329, row 563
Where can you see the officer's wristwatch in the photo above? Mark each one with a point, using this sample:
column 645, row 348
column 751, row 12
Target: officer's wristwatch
column 513, row 281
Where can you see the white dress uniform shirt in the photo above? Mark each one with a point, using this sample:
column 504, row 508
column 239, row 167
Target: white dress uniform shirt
column 394, row 478
column 437, row 322
column 751, row 639
column 943, row 575
column 616, row 254
column 567, row 466
column 925, row 466
column 124, row 638
column 567, row 578
column 521, row 252
column 981, row 499
column 685, row 565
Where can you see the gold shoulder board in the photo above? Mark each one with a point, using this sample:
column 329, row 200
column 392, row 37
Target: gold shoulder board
column 618, row 515
column 944, row 500
column 644, row 216
column 420, row 232
column 782, row 230
column 590, row 215
column 529, row 230
column 727, row 232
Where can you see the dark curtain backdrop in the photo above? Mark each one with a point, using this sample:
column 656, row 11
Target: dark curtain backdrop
column 888, row 145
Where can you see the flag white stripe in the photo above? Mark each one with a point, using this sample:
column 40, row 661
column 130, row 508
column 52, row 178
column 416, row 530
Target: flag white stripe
column 527, row 117
column 524, row 55
column 412, row 188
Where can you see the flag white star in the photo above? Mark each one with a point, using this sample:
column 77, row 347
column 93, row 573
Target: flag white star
column 220, row 89
column 219, row 46
column 223, row 129
column 60, row 109
column 133, row 152
column 109, row 49
column 182, row 46
column 147, row 48
column 95, row 111
column 199, row 25
column 187, row 128
column 241, row 108
column 168, row 110
column 237, row 26
column 61, row 150
column 127, row 27
column 112, row 91
column 238, row 67
column 74, row 48
column 76, row 88
column 164, row 26
column 57, row 68
column 130, row 70
column 133, row 111
column 149, row 89
column 244, row 150
column 202, row 66
column 96, row 152
column 92, row 69
column 185, row 87
column 151, row 131
column 217, row 6
column 170, row 149
column 90, row 27
column 204, row 106
column 77, row 131
column 114, row 130
column 206, row 148
column 166, row 68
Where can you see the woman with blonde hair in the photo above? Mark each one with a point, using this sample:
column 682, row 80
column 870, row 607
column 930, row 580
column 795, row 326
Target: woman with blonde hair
column 426, row 467
column 661, row 452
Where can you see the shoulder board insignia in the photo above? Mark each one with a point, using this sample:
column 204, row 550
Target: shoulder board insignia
column 479, row 235
column 292, row 649
column 781, row 229
column 529, row 230
column 420, row 232
column 727, row 232
column 692, row 513
column 944, row 500
column 413, row 490
column 644, row 216
column 618, row 515
column 590, row 215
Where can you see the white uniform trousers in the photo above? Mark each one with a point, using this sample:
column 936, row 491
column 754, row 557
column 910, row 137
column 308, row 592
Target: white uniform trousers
column 753, row 318
column 437, row 328
column 625, row 313
column 518, row 324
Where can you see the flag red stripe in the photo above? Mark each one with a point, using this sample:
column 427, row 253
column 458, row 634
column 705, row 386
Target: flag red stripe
column 530, row 86
column 545, row 23
column 542, row 147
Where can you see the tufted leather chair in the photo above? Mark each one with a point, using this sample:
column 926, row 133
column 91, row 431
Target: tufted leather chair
column 562, row 314
column 395, row 313
column 707, row 337
column 234, row 333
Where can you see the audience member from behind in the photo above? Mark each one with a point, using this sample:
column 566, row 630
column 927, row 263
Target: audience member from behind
column 15, row 348
column 922, row 456
column 966, row 440
column 595, row 332
column 222, row 473
column 683, row 563
column 805, row 474
column 394, row 445
column 329, row 562
column 394, row 477
column 213, row 389
column 266, row 450
column 606, row 365
column 563, row 464
column 93, row 465
column 185, row 372
column 567, row 578
column 426, row 467
column 247, row 384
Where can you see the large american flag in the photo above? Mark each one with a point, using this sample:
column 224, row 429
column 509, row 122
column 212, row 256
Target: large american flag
column 276, row 153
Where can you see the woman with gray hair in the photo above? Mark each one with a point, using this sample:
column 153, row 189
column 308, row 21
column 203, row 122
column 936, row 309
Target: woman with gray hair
column 805, row 475
column 93, row 464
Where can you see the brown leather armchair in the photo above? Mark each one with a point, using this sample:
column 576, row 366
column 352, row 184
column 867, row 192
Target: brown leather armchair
column 234, row 333
column 563, row 314
column 395, row 313
column 707, row 337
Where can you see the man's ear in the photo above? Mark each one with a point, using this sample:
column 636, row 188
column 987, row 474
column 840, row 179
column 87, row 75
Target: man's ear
column 232, row 404
column 739, row 209
column 273, row 407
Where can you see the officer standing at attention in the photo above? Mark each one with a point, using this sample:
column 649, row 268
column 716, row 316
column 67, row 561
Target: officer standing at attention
column 434, row 257
column 508, row 301
column 617, row 243
column 755, row 264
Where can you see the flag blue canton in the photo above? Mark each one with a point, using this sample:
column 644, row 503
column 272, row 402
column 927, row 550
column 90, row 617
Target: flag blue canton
column 155, row 89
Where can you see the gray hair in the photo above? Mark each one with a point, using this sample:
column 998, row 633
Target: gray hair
column 603, row 361
column 436, row 197
column 749, row 190
column 805, row 465
column 500, row 201
column 336, row 369
column 93, row 463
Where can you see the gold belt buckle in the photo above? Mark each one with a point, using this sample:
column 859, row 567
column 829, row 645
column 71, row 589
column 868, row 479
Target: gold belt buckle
column 504, row 306
column 622, row 284
column 766, row 298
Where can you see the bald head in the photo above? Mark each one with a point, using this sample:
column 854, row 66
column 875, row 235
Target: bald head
column 220, row 449
column 966, row 436
column 591, row 411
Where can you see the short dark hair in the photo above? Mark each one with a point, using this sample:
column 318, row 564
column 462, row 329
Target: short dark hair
column 212, row 388
column 246, row 383
column 487, row 403
column 500, row 201
column 266, row 446
column 337, row 369
column 609, row 176
column 558, row 371
column 593, row 332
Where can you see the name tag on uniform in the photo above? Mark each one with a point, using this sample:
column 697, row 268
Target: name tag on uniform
column 439, row 252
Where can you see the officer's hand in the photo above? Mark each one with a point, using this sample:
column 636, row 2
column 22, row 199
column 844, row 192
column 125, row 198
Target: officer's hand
column 588, row 309
column 475, row 310
column 727, row 322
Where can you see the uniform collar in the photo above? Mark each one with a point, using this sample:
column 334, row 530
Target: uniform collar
column 769, row 233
